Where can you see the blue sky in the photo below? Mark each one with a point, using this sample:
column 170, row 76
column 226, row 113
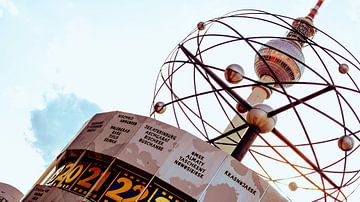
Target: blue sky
column 62, row 61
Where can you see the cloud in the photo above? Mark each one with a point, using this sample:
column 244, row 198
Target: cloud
column 54, row 125
column 9, row 6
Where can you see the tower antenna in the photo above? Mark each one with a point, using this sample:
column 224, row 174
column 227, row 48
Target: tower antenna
column 314, row 10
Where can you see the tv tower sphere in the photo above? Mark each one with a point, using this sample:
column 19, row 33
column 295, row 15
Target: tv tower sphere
column 308, row 81
column 282, row 59
column 274, row 61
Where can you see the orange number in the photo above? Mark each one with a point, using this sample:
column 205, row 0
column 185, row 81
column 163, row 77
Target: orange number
column 74, row 173
column 113, row 194
column 85, row 182
column 139, row 188
column 102, row 180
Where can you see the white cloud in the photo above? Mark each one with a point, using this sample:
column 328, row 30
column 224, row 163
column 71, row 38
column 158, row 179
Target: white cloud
column 55, row 124
column 21, row 161
column 9, row 6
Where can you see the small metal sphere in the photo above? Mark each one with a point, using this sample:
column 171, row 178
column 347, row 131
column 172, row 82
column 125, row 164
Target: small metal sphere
column 258, row 116
column 293, row 186
column 343, row 68
column 234, row 73
column 201, row 26
column 159, row 107
column 240, row 108
column 346, row 143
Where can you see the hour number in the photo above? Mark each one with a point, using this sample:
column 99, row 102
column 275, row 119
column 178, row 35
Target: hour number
column 95, row 172
column 126, row 186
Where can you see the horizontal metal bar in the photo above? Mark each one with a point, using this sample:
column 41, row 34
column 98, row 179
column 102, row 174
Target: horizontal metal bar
column 300, row 101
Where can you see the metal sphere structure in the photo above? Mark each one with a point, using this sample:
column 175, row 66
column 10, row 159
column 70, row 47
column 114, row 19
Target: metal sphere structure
column 343, row 68
column 159, row 107
column 258, row 117
column 293, row 186
column 201, row 26
column 346, row 143
column 304, row 80
column 234, row 73
column 240, row 108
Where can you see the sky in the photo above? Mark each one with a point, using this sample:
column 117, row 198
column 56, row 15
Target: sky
column 63, row 61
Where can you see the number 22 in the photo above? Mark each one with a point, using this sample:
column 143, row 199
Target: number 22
column 127, row 184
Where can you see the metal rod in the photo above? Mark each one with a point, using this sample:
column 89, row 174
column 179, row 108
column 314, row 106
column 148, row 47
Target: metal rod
column 98, row 180
column 308, row 161
column 300, row 101
column 71, row 169
column 46, row 173
column 52, row 165
column 245, row 143
column 234, row 130
column 219, row 81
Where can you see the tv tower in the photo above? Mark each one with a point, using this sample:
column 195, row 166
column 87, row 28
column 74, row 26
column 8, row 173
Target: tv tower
column 278, row 62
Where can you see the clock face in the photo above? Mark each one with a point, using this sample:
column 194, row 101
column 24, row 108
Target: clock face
column 189, row 170
column 118, row 182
